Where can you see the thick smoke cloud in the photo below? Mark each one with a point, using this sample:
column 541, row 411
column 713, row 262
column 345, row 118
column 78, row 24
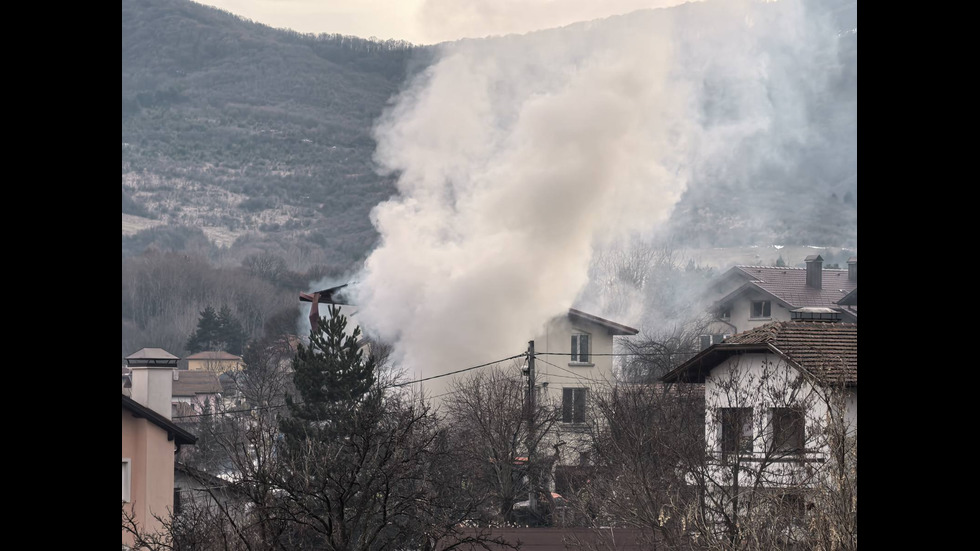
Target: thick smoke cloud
column 519, row 157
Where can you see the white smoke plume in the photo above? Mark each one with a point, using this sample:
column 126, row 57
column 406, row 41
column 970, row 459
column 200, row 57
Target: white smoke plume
column 519, row 157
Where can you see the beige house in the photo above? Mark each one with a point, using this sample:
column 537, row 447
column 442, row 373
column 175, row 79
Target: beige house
column 214, row 361
column 193, row 392
column 573, row 356
column 150, row 439
column 574, row 362
column 745, row 297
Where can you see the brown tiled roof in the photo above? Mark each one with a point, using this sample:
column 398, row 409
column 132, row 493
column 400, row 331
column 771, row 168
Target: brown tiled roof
column 828, row 351
column 789, row 285
column 190, row 383
column 850, row 299
column 212, row 355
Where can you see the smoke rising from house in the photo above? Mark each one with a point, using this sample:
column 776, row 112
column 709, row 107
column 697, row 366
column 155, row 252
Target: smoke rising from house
column 518, row 158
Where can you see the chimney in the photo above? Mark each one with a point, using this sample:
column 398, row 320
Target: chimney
column 152, row 374
column 852, row 269
column 814, row 271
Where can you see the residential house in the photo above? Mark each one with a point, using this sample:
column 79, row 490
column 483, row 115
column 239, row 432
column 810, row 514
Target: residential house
column 200, row 490
column 745, row 297
column 215, row 361
column 574, row 360
column 780, row 409
column 194, row 392
column 150, row 439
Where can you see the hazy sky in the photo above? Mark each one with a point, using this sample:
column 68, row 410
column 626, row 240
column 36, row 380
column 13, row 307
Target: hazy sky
column 427, row 21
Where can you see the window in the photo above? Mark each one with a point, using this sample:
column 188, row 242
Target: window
column 573, row 405
column 761, row 309
column 787, row 430
column 126, row 478
column 580, row 348
column 736, row 431
column 725, row 314
column 708, row 340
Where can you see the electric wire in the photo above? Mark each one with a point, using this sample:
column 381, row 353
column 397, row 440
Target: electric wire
column 572, row 375
column 395, row 385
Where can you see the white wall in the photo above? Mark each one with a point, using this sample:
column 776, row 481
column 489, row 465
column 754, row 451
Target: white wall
column 762, row 382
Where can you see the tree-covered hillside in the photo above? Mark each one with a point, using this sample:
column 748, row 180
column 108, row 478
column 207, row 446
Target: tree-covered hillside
column 228, row 124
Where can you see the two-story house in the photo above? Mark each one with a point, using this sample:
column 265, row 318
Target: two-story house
column 574, row 361
column 574, row 357
column 150, row 439
column 780, row 415
column 193, row 393
column 749, row 296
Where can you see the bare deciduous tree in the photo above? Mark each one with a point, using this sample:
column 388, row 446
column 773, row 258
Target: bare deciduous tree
column 761, row 456
column 500, row 439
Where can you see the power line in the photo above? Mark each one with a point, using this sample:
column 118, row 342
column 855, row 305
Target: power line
column 457, row 371
column 576, row 376
column 256, row 408
column 618, row 354
column 573, row 375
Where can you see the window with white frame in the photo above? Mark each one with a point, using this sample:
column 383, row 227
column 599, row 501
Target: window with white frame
column 786, row 430
column 708, row 340
column 127, row 472
column 761, row 309
column 736, row 431
column 580, row 348
column 573, row 405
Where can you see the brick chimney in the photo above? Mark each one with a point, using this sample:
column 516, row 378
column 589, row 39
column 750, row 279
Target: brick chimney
column 152, row 373
column 814, row 271
column 852, row 269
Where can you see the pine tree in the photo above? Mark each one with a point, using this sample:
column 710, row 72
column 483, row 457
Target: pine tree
column 333, row 378
column 217, row 331
column 230, row 332
column 355, row 461
column 206, row 335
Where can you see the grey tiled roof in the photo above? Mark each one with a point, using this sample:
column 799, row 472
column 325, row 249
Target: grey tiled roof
column 190, row 383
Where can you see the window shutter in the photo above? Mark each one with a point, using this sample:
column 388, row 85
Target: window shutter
column 580, row 405
column 566, row 405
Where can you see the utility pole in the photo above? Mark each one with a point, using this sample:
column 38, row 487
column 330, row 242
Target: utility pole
column 531, row 477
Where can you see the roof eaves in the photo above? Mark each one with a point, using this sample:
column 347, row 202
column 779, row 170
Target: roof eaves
column 174, row 432
column 746, row 287
column 695, row 369
column 613, row 327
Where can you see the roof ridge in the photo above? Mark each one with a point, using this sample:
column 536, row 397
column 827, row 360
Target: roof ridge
column 787, row 267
